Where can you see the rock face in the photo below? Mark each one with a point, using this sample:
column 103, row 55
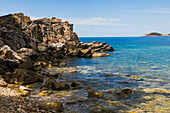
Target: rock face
column 11, row 33
column 51, row 31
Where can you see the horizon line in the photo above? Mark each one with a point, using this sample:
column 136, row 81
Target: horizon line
column 112, row 36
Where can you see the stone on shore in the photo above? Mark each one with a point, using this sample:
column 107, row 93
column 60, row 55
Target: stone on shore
column 25, row 91
column 55, row 105
column 23, row 76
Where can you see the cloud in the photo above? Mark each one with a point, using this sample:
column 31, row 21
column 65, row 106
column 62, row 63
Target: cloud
column 156, row 10
column 163, row 10
column 90, row 21
column 93, row 21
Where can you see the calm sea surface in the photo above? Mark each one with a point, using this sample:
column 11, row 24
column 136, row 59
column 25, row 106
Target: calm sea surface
column 144, row 57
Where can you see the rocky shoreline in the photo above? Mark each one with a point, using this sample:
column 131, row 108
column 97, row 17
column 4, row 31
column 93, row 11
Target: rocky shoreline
column 34, row 76
column 27, row 47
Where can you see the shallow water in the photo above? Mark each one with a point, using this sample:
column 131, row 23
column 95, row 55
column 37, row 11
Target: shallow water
column 147, row 58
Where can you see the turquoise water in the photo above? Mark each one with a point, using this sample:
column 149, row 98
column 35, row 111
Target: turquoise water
column 147, row 58
column 144, row 57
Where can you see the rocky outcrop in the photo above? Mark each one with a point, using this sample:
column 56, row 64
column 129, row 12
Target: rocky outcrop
column 155, row 34
column 45, row 35
column 27, row 46
column 50, row 31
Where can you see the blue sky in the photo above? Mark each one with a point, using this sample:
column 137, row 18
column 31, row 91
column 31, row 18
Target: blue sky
column 99, row 17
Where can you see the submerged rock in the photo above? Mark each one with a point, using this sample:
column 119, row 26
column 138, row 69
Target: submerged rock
column 45, row 92
column 95, row 94
column 124, row 92
column 51, row 83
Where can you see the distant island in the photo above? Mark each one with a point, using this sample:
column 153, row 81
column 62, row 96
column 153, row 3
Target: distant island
column 155, row 34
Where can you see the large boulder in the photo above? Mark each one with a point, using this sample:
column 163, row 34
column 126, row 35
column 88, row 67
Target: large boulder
column 23, row 76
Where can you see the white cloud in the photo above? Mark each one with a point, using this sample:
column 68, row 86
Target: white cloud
column 93, row 21
column 90, row 21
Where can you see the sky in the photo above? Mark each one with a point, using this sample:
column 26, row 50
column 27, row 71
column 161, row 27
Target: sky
column 99, row 18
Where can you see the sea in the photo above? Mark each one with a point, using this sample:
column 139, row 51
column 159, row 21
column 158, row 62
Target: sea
column 138, row 63
column 145, row 57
